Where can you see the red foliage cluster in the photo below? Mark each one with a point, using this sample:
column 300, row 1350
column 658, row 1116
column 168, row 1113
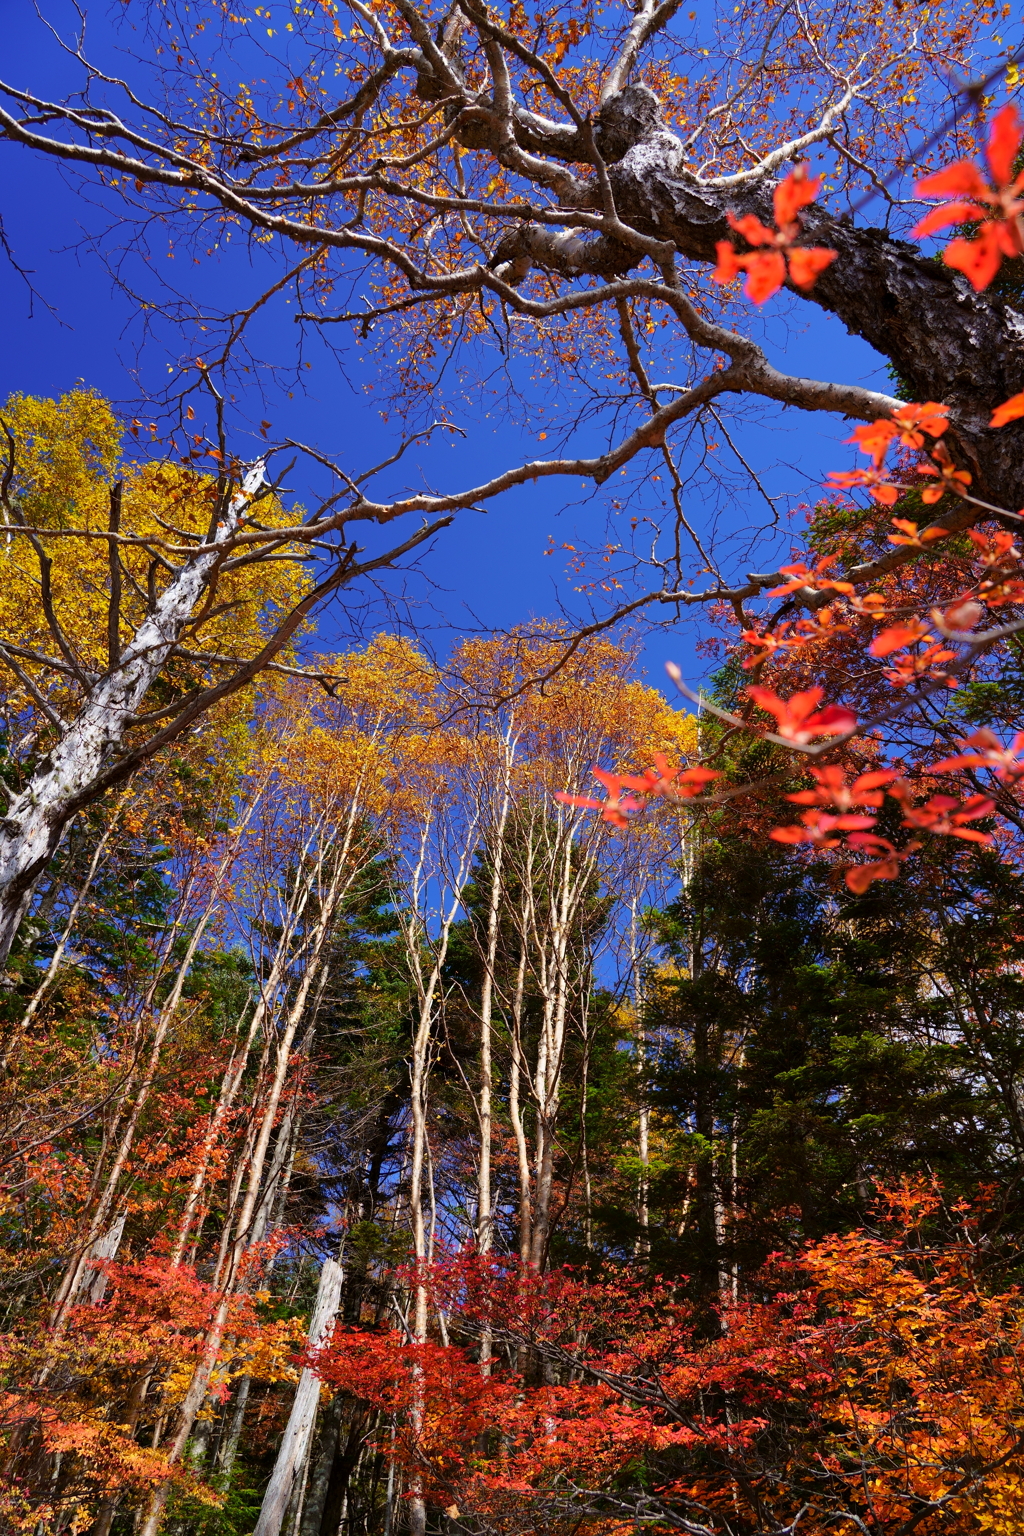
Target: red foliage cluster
column 775, row 256
column 876, row 1379
column 969, row 198
column 917, row 650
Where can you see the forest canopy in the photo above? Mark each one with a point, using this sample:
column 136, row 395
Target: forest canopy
column 456, row 1085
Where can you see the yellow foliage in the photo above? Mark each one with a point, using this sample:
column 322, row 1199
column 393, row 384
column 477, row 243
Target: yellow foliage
column 67, row 456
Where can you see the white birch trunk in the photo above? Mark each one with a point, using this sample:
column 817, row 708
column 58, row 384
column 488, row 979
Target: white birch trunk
column 93, row 1285
column 520, row 1071
column 294, row 1448
column 484, row 1193
column 484, row 1217
column 427, row 980
column 332, row 867
column 34, row 824
column 562, row 909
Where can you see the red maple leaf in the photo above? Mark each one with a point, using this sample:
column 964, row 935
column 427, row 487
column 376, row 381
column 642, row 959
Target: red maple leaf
column 968, row 198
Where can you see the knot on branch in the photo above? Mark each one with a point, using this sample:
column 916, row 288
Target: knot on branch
column 625, row 120
column 430, row 83
column 477, row 127
column 511, row 260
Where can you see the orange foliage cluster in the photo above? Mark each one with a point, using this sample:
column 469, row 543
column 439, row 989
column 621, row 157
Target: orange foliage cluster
column 775, row 254
column 880, row 1383
column 840, row 805
column 77, row 1392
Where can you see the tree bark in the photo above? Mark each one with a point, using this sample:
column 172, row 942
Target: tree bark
column 83, row 762
column 319, row 1481
column 484, row 1233
column 294, row 1448
column 944, row 340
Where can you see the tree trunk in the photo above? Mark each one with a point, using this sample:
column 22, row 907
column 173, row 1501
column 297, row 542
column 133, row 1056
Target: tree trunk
column 427, row 982
column 232, row 1440
column 484, row 1218
column 244, row 1227
column 294, row 1448
column 345, row 1461
column 92, row 1286
column 518, row 1072
column 319, row 1482
column 82, row 765
column 642, row 1248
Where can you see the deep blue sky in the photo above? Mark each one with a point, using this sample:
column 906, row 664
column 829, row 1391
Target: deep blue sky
column 488, row 570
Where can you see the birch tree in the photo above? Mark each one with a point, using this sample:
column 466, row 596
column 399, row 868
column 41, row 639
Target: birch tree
column 102, row 602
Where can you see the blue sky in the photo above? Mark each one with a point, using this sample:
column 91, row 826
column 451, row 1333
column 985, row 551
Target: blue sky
column 489, row 570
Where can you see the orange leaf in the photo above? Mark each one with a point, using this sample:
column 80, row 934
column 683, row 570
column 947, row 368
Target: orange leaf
column 1003, row 143
column 806, row 263
column 963, row 614
column 611, row 781
column 796, row 717
column 961, row 179
column 791, row 834
column 794, row 193
column 931, row 417
column 942, row 217
column 584, row 800
column 979, row 260
column 729, row 265
column 1010, row 410
column 988, row 752
column 860, row 876
column 834, row 790
column 693, row 780
column 874, row 437
column 895, row 638
column 766, row 273
column 752, row 230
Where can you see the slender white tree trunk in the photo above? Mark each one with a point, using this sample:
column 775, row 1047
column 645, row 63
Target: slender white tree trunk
column 588, row 1192
column 643, row 1203
column 426, row 975
column 519, row 1073
column 484, row 1199
column 643, row 1194
column 336, row 876
column 562, row 909
column 294, row 1448
column 484, row 1218
column 556, row 876
column 34, row 824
